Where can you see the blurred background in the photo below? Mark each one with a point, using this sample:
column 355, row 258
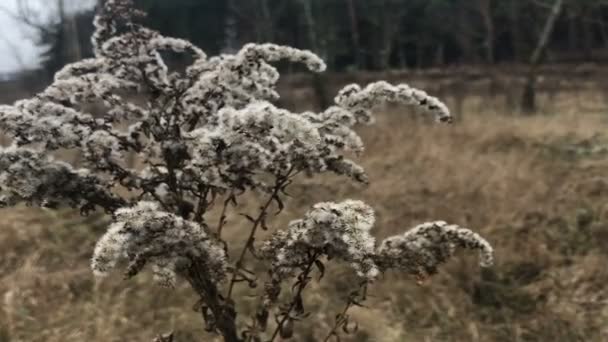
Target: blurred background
column 524, row 164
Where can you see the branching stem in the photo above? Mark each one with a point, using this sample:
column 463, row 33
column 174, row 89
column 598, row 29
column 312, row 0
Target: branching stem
column 279, row 184
column 303, row 280
column 342, row 318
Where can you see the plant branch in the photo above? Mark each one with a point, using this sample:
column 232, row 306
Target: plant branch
column 224, row 315
column 303, row 280
column 222, row 222
column 279, row 184
column 342, row 319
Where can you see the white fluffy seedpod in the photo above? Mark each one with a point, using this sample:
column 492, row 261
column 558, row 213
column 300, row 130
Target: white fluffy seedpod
column 423, row 248
column 29, row 176
column 145, row 234
column 342, row 230
column 354, row 98
column 338, row 230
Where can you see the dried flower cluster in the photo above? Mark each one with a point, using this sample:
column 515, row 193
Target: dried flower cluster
column 338, row 230
column 421, row 249
column 342, row 231
column 145, row 234
column 207, row 135
column 28, row 176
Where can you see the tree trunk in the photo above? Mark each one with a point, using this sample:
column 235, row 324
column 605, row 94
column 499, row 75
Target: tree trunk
column 603, row 30
column 517, row 40
column 76, row 48
column 403, row 64
column 268, row 27
column 230, row 28
column 463, row 36
column 485, row 10
column 573, row 35
column 386, row 51
column 529, row 95
column 587, row 31
column 390, row 16
column 440, row 55
column 354, row 34
column 318, row 83
column 309, row 22
column 65, row 31
column 419, row 55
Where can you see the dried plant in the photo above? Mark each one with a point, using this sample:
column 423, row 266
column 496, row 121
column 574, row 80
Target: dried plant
column 206, row 136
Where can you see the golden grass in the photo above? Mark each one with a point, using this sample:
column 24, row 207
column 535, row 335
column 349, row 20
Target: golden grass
column 515, row 180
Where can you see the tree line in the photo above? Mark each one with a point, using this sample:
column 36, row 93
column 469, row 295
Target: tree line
column 364, row 34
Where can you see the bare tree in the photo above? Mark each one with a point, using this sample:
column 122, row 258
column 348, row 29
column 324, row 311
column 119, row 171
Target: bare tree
column 485, row 10
column 464, row 35
column 354, row 33
column 516, row 31
column 387, row 19
column 28, row 16
column 309, row 22
column 267, row 21
column 529, row 95
column 69, row 28
column 318, row 80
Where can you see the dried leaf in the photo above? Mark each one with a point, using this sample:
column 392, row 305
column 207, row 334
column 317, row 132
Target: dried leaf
column 350, row 329
column 321, row 268
column 248, row 217
column 279, row 202
column 299, row 304
column 286, row 330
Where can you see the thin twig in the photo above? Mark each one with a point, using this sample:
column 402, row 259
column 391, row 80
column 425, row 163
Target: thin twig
column 222, row 221
column 303, row 279
column 280, row 182
column 342, row 318
column 203, row 204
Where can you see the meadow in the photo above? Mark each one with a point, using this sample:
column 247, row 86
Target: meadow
column 534, row 186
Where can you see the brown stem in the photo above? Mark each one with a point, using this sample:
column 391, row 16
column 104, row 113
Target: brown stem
column 251, row 238
column 203, row 204
column 342, row 318
column 280, row 182
column 222, row 221
column 303, row 281
column 224, row 314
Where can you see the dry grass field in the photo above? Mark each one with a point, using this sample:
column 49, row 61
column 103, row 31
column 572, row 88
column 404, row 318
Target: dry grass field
column 536, row 187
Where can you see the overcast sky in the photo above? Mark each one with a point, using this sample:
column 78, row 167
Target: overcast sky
column 17, row 48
